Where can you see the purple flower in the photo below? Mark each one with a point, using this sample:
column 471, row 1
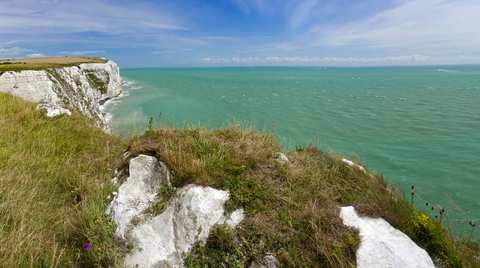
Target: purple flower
column 87, row 246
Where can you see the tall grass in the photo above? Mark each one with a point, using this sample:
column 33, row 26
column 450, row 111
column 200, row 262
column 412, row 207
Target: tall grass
column 54, row 182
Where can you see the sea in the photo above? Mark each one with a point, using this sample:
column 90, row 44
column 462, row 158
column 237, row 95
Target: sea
column 417, row 126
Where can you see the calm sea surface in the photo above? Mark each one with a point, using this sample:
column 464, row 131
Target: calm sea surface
column 416, row 125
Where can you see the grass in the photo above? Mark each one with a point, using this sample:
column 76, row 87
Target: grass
column 55, row 182
column 45, row 63
column 292, row 209
column 97, row 83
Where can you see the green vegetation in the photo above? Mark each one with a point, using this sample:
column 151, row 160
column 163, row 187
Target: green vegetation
column 55, row 184
column 165, row 193
column 292, row 209
column 45, row 63
column 97, row 83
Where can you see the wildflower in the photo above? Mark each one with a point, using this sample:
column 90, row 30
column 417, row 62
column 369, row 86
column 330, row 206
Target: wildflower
column 87, row 246
column 442, row 211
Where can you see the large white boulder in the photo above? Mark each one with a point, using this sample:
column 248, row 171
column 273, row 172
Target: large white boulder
column 382, row 245
column 164, row 240
column 138, row 192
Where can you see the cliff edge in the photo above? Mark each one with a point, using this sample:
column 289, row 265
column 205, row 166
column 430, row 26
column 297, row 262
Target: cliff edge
column 84, row 88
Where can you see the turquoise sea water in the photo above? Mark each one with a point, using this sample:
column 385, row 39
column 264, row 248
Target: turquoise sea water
column 416, row 125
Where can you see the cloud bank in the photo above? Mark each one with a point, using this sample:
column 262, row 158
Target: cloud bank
column 239, row 32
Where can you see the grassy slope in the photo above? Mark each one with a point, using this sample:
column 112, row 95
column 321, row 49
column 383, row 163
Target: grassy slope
column 54, row 177
column 292, row 210
column 45, row 63
column 54, row 180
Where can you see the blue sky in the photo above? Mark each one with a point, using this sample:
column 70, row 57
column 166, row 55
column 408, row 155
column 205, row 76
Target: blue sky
column 142, row 33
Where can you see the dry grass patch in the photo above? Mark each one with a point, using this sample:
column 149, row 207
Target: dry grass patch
column 45, row 63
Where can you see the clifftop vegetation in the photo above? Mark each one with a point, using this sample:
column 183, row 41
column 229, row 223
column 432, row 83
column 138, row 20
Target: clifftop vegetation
column 54, row 181
column 45, row 63
column 55, row 184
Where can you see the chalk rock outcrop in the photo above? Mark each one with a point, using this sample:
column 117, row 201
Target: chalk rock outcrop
column 164, row 240
column 59, row 90
column 146, row 176
column 382, row 245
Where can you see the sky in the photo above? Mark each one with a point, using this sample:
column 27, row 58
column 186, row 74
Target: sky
column 147, row 33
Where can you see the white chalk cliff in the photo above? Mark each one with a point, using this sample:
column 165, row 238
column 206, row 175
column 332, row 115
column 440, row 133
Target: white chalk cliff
column 382, row 246
column 60, row 90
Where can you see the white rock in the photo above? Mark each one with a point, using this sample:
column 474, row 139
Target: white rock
column 382, row 245
column 59, row 90
column 55, row 111
column 235, row 218
column 140, row 190
column 164, row 240
column 282, row 158
column 352, row 164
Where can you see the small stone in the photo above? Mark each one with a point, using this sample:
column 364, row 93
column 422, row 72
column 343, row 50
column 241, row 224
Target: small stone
column 352, row 164
column 268, row 261
column 282, row 158
column 235, row 218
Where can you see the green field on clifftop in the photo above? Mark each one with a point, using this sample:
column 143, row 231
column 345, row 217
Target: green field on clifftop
column 45, row 63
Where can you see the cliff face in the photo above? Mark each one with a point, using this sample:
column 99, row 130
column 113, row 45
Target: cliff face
column 83, row 88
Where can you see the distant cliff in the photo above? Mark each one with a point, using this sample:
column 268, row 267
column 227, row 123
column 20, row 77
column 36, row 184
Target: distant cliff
column 83, row 88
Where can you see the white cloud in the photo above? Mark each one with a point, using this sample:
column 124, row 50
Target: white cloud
column 338, row 61
column 35, row 55
column 435, row 27
column 83, row 52
column 297, row 31
column 33, row 16
column 10, row 52
column 301, row 13
column 171, row 51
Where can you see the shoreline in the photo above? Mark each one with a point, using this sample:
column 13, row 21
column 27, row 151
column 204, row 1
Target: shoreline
column 106, row 104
